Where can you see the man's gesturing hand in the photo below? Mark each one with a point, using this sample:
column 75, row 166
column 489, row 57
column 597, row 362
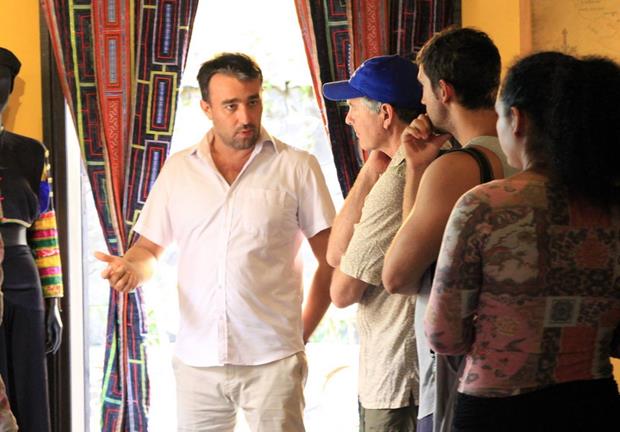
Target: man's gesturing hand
column 121, row 274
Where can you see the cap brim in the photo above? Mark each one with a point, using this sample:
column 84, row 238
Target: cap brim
column 340, row 90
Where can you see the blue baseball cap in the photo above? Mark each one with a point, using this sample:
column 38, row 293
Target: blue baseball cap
column 388, row 79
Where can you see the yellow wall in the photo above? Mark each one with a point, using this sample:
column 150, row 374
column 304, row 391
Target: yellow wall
column 507, row 23
column 19, row 32
column 501, row 20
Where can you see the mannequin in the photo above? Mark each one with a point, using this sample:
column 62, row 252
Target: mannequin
column 32, row 327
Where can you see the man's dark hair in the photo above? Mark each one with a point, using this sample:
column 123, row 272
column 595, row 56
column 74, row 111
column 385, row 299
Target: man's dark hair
column 467, row 59
column 238, row 65
column 573, row 114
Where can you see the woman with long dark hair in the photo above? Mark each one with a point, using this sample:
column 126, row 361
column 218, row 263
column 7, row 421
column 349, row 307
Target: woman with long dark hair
column 527, row 284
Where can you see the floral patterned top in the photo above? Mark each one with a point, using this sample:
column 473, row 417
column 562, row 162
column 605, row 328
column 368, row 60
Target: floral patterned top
column 528, row 287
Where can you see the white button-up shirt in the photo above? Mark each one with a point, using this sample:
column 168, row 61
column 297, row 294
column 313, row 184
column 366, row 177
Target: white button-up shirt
column 239, row 275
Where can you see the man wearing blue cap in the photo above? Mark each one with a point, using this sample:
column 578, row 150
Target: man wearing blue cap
column 383, row 97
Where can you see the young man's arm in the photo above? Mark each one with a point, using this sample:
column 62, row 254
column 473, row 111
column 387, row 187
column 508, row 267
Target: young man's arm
column 134, row 268
column 416, row 245
column 318, row 297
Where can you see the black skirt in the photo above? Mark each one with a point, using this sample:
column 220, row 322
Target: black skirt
column 577, row 406
column 22, row 341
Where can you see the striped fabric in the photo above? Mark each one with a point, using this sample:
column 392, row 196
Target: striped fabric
column 44, row 244
column 43, row 238
column 120, row 64
column 339, row 36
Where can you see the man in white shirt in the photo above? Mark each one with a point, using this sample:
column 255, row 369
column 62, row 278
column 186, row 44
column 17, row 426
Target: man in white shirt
column 238, row 205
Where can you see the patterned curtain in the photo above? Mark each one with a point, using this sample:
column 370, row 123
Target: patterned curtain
column 339, row 35
column 120, row 64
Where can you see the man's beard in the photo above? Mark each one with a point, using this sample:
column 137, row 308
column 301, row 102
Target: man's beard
column 244, row 143
column 439, row 121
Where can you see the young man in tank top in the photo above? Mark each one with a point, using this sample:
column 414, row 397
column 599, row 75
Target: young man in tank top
column 459, row 70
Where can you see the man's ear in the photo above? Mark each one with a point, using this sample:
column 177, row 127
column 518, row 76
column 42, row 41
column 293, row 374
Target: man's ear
column 206, row 108
column 388, row 113
column 445, row 91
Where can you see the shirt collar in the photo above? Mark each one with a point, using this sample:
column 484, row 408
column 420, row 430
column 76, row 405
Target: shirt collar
column 265, row 141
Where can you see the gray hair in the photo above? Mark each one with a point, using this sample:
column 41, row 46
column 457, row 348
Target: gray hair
column 372, row 105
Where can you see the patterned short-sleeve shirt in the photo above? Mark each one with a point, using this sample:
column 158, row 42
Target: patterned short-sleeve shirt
column 388, row 376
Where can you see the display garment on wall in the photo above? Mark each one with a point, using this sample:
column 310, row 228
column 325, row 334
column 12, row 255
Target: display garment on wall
column 31, row 268
column 22, row 334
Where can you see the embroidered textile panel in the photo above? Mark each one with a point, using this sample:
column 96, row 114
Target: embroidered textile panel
column 325, row 31
column 120, row 64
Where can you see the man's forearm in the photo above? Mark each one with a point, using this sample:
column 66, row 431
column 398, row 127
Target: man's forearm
column 346, row 290
column 412, row 183
column 349, row 215
column 318, row 300
column 142, row 260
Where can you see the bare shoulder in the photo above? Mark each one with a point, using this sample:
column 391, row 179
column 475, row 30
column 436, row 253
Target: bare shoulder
column 454, row 171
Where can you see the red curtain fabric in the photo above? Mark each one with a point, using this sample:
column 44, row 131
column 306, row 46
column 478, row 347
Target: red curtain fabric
column 120, row 63
column 339, row 36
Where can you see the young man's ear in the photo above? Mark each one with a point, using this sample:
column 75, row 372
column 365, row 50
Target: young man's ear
column 445, row 91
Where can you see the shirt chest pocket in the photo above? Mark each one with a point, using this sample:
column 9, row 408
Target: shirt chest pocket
column 266, row 212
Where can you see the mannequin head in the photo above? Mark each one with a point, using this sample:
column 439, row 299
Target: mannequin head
column 5, row 87
column 9, row 68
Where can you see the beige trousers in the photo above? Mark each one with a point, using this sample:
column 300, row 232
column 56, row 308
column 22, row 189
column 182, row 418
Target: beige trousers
column 270, row 395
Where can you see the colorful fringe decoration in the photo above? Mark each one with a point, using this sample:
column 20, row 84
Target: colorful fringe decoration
column 44, row 244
